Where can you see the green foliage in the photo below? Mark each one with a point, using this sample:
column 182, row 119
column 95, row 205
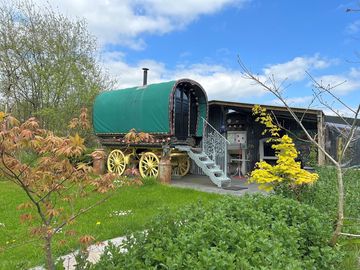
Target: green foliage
column 286, row 171
column 323, row 194
column 351, row 247
column 81, row 260
column 149, row 181
column 85, row 157
column 141, row 203
column 252, row 232
column 28, row 157
column 313, row 156
column 48, row 66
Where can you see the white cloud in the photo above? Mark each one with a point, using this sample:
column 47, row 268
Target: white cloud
column 218, row 81
column 131, row 75
column 353, row 27
column 294, row 70
column 221, row 82
column 344, row 112
column 124, row 21
column 342, row 83
column 294, row 101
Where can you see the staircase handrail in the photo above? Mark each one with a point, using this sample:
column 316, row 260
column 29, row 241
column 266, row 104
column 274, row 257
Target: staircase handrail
column 221, row 160
column 204, row 120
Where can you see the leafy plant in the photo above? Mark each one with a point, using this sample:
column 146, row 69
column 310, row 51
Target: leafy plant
column 322, row 194
column 84, row 158
column 313, row 156
column 252, row 232
column 49, row 180
column 286, row 171
column 49, row 64
column 136, row 137
column 149, row 181
column 324, row 94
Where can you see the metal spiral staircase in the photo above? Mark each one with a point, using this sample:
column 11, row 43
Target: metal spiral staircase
column 212, row 156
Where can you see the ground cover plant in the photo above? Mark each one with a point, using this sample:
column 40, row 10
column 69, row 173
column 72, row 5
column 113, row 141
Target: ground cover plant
column 250, row 232
column 128, row 210
column 323, row 196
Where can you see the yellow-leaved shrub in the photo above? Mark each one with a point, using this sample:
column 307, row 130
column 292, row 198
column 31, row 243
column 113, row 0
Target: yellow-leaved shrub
column 286, row 170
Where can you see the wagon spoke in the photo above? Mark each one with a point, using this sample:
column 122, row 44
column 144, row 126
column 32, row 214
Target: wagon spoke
column 181, row 166
column 116, row 162
column 148, row 164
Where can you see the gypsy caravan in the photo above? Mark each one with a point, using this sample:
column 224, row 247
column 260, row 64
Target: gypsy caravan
column 175, row 114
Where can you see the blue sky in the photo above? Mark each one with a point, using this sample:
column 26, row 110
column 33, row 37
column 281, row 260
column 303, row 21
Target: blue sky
column 202, row 39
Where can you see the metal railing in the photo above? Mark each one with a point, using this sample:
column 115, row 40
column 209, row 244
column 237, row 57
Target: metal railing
column 215, row 146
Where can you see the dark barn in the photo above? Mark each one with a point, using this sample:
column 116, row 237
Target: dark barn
column 247, row 146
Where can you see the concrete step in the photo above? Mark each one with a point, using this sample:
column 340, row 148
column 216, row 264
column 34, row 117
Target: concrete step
column 216, row 171
column 209, row 163
column 202, row 156
column 209, row 167
column 196, row 150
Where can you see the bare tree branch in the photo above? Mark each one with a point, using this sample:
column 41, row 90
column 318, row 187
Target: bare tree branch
column 351, row 235
column 328, row 90
column 270, row 85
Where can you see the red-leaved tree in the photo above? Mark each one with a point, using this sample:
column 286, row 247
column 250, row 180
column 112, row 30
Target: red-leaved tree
column 51, row 179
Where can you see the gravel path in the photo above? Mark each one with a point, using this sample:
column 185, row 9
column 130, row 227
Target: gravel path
column 95, row 252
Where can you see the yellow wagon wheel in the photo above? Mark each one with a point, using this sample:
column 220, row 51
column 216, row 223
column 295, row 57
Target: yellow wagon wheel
column 182, row 166
column 116, row 162
column 149, row 165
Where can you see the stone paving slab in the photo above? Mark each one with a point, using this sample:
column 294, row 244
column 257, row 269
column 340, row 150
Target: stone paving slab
column 203, row 183
column 94, row 251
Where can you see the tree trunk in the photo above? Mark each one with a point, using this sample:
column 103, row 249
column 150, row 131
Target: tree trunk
column 340, row 219
column 49, row 261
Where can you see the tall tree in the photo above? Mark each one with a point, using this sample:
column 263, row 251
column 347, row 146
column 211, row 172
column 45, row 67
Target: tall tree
column 48, row 64
column 321, row 93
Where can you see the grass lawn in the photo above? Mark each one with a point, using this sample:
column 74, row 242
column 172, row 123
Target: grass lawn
column 18, row 250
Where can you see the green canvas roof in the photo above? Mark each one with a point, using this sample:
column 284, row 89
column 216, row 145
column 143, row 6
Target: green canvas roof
column 145, row 108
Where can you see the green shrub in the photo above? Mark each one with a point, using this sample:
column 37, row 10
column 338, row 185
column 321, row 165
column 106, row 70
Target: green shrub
column 252, row 232
column 28, row 157
column 84, row 158
column 323, row 194
column 149, row 181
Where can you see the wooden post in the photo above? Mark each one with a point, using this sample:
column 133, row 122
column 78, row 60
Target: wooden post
column 321, row 137
column 98, row 157
column 165, row 166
